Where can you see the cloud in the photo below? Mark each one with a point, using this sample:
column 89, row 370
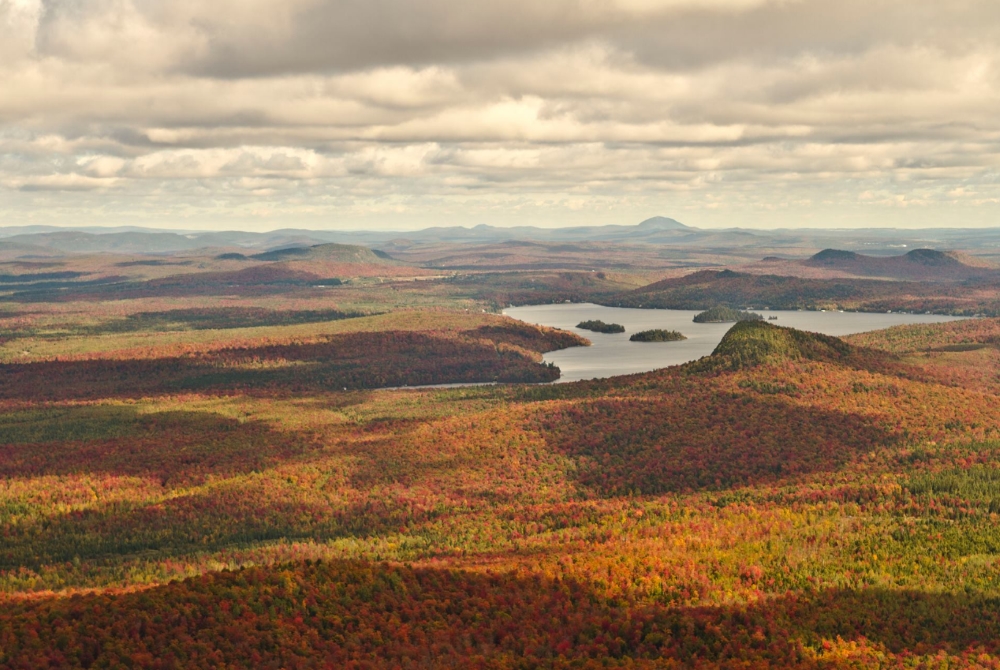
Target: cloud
column 18, row 27
column 392, row 111
column 61, row 182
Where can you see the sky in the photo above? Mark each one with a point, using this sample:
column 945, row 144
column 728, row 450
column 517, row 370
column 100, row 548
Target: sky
column 402, row 114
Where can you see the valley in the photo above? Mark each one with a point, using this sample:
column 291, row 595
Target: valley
column 200, row 465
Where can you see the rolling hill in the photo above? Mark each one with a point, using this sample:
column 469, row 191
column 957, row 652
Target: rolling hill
column 658, row 233
column 706, row 288
column 331, row 252
column 205, row 470
column 918, row 264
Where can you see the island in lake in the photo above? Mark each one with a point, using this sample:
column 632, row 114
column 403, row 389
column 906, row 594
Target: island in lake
column 657, row 335
column 601, row 327
column 722, row 314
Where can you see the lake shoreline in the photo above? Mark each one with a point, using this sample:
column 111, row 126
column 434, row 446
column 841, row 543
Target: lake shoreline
column 612, row 355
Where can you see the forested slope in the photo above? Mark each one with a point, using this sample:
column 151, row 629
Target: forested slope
column 197, row 469
column 793, row 500
column 706, row 288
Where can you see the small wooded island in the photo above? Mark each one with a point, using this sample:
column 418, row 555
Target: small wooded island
column 657, row 335
column 722, row 314
column 601, row 327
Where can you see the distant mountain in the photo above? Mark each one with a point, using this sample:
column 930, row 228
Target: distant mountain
column 131, row 240
column 833, row 257
column 11, row 231
column 72, row 241
column 662, row 223
column 152, row 242
column 933, row 258
column 739, row 290
column 340, row 253
column 918, row 264
column 657, row 231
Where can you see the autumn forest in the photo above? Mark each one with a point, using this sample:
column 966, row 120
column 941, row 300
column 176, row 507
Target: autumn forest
column 335, row 458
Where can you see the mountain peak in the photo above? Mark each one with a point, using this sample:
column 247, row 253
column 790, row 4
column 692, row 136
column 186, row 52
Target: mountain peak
column 834, row 256
column 931, row 257
column 752, row 343
column 663, row 223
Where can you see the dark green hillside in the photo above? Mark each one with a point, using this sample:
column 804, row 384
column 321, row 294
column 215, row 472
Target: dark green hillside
column 723, row 314
column 752, row 343
column 600, row 327
column 657, row 335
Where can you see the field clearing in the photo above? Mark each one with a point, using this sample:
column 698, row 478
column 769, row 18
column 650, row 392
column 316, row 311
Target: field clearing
column 179, row 342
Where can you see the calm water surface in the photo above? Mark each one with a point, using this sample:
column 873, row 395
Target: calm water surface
column 613, row 354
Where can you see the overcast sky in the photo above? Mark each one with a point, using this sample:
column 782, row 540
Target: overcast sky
column 395, row 114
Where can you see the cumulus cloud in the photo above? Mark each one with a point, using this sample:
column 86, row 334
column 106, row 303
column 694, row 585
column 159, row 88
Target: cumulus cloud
column 395, row 113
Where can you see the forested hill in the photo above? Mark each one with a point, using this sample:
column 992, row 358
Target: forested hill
column 918, row 265
column 750, row 343
column 706, row 288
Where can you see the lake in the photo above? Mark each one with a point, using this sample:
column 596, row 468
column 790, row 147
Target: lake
column 613, row 354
